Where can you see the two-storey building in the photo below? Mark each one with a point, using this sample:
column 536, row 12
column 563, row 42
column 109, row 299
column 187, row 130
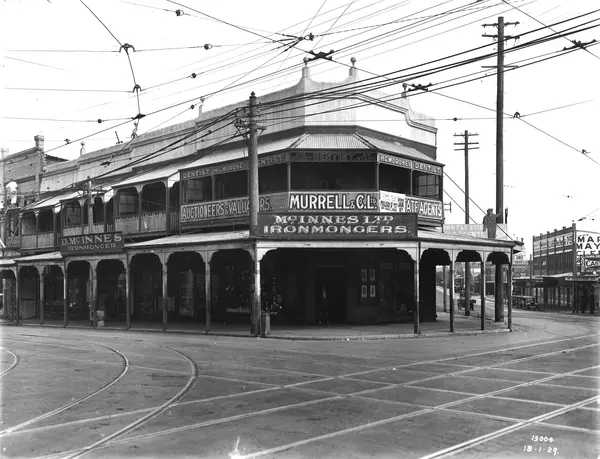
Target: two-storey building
column 350, row 219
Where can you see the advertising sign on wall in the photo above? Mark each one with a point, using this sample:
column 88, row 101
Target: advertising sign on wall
column 333, row 157
column 391, row 202
column 588, row 246
column 336, row 201
column 92, row 244
column 338, row 226
column 424, row 207
column 227, row 208
column 473, row 230
column 308, row 201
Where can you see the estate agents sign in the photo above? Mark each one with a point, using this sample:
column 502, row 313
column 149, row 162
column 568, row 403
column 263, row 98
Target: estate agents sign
column 88, row 244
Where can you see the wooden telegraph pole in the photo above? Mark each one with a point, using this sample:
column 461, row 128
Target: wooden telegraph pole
column 499, row 306
column 253, row 207
column 466, row 147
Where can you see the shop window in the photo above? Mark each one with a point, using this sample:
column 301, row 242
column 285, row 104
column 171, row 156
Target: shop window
column 128, row 202
column 426, row 185
column 394, row 179
column 272, row 179
column 333, row 176
column 231, row 185
column 197, row 190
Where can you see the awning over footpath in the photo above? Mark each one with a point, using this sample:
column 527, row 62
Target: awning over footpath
column 429, row 235
column 7, row 262
column 191, row 239
column 35, row 259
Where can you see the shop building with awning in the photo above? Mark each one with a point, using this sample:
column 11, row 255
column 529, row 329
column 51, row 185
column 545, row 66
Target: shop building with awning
column 350, row 219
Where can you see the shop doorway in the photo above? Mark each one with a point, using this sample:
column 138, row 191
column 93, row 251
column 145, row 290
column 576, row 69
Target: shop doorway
column 330, row 295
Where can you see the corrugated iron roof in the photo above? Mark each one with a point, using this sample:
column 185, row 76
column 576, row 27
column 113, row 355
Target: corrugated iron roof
column 333, row 141
column 439, row 236
column 241, row 153
column 189, row 239
column 399, row 148
column 155, row 175
column 54, row 200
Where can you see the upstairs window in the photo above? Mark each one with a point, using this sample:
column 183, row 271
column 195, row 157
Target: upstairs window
column 427, row 185
column 231, row 185
column 333, row 176
column 197, row 190
column 128, row 202
column 394, row 179
column 272, row 179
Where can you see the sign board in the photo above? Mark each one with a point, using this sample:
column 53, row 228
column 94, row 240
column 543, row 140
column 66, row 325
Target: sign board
column 391, row 202
column 227, row 208
column 337, row 226
column 332, row 202
column 224, row 168
column 473, row 230
column 88, row 244
column 316, row 201
column 333, row 157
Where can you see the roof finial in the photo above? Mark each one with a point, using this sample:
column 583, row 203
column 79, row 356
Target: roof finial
column 353, row 69
column 82, row 150
column 305, row 69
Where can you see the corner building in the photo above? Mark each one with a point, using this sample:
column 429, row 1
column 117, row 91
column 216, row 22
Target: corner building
column 350, row 219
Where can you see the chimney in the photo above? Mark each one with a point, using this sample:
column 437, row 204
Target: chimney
column 39, row 142
column 82, row 150
column 353, row 70
column 305, row 69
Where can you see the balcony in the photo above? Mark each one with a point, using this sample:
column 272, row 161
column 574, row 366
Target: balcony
column 28, row 241
column 127, row 225
column 174, row 223
column 74, row 230
column 45, row 240
column 155, row 221
column 12, row 242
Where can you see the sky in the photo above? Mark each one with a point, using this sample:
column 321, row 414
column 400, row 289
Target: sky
column 61, row 71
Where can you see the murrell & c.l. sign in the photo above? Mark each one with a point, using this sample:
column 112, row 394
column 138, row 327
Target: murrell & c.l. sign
column 87, row 244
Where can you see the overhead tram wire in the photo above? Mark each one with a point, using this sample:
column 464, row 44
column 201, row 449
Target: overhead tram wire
column 206, row 71
column 329, row 92
column 214, row 69
column 376, row 83
column 540, row 22
column 269, row 75
column 125, row 47
column 173, row 145
column 434, row 91
column 337, row 87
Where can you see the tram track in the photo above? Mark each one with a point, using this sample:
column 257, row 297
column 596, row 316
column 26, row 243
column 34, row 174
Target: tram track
column 14, row 365
column 148, row 417
column 110, row 441
column 124, row 369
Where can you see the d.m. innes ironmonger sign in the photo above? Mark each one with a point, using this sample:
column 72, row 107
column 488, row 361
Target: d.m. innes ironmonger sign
column 92, row 243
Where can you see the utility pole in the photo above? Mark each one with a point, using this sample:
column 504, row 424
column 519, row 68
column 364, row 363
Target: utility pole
column 467, row 146
column 499, row 306
column 253, row 207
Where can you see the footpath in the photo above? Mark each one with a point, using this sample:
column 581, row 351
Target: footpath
column 441, row 328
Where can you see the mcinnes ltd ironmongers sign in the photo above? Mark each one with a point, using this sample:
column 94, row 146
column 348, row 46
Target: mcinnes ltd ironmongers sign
column 92, row 243
column 347, row 226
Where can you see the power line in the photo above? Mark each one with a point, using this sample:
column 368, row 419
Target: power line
column 66, row 90
column 37, row 63
column 540, row 22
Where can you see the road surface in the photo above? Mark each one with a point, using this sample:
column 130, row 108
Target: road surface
column 533, row 393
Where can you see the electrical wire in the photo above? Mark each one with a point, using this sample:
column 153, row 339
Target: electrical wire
column 540, row 22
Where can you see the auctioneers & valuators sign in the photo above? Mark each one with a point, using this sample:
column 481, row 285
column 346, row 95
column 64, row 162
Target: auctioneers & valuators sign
column 337, row 226
column 86, row 244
